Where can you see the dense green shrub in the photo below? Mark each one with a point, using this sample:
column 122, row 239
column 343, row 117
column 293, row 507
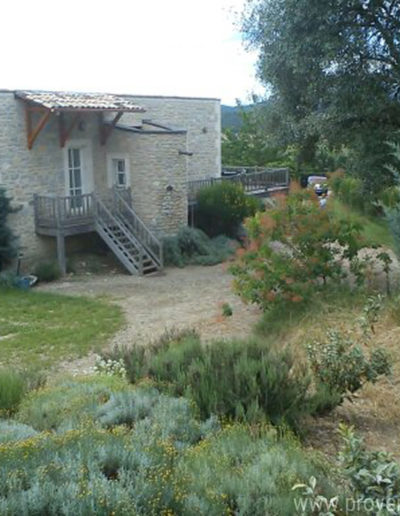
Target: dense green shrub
column 12, row 390
column 8, row 241
column 193, row 246
column 240, row 380
column 294, row 250
column 222, row 207
column 47, row 271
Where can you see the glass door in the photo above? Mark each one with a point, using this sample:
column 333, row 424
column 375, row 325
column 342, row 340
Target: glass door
column 75, row 177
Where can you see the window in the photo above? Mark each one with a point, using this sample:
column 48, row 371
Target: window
column 119, row 172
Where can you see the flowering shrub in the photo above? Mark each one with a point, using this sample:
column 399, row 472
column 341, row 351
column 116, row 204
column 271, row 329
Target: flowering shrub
column 167, row 462
column 293, row 250
column 110, row 367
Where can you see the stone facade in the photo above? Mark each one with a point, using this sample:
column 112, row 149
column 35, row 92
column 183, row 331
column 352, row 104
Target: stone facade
column 202, row 120
column 159, row 164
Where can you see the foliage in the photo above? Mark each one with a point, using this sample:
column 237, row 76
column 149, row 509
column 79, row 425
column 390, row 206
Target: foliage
column 110, row 367
column 250, row 145
column 293, row 250
column 227, row 310
column 192, row 246
column 42, row 328
column 8, row 241
column 14, row 431
column 222, row 207
column 375, row 475
column 12, row 390
column 317, row 501
column 47, row 271
column 70, row 404
column 8, row 279
column 247, row 381
column 332, row 72
column 164, row 460
column 340, row 365
column 350, row 190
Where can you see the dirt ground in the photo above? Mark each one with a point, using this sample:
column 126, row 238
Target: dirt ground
column 189, row 298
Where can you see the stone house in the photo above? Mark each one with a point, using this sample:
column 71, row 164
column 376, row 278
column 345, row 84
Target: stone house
column 80, row 164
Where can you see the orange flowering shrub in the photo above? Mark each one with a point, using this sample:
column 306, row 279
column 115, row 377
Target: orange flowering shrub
column 294, row 249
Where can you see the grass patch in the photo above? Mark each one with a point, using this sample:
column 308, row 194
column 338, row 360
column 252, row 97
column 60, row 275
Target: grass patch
column 375, row 230
column 39, row 329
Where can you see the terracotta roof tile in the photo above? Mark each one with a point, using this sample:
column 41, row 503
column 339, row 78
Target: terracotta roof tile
column 70, row 101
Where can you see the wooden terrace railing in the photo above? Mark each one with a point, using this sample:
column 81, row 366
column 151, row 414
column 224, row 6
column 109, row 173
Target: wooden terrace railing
column 257, row 182
column 63, row 211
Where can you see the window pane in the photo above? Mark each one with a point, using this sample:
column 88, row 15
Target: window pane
column 69, row 158
column 121, row 165
column 77, row 178
column 77, row 157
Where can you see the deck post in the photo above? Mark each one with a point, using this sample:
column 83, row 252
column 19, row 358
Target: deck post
column 61, row 258
column 62, row 262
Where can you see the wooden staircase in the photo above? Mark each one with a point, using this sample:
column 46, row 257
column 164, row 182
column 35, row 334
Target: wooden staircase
column 139, row 251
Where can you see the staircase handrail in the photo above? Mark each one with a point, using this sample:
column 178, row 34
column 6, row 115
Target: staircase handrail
column 111, row 218
column 151, row 244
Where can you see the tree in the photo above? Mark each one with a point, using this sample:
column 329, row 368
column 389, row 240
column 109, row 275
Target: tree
column 251, row 144
column 7, row 238
column 334, row 71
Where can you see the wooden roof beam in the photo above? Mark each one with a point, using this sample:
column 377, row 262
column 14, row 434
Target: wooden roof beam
column 106, row 129
column 65, row 132
column 32, row 132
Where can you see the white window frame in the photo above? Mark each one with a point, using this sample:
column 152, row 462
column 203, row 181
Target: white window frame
column 85, row 146
column 110, row 170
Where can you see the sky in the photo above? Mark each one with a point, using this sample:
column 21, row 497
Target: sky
column 146, row 47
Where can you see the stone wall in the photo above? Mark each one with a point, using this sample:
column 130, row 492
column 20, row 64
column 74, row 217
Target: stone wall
column 202, row 120
column 158, row 177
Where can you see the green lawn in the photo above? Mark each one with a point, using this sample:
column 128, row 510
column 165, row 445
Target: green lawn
column 38, row 329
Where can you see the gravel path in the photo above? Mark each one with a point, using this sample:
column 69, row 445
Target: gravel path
column 177, row 298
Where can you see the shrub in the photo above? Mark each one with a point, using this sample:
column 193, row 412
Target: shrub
column 374, row 475
column 8, row 279
column 169, row 462
column 294, row 250
column 8, row 240
column 47, row 271
column 110, row 367
column 249, row 473
column 14, row 431
column 192, row 246
column 71, row 403
column 341, row 365
column 239, row 380
column 222, row 207
column 12, row 390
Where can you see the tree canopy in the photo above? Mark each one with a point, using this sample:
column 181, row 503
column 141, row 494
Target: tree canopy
column 333, row 68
